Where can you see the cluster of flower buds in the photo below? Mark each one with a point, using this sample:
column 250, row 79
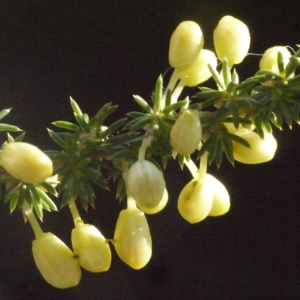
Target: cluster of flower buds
column 187, row 56
column 146, row 193
column 183, row 133
column 202, row 197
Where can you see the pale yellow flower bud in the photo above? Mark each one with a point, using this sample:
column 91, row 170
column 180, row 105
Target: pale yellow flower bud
column 195, row 200
column 221, row 198
column 260, row 151
column 185, row 44
column 199, row 71
column 269, row 59
column 186, row 133
column 132, row 238
column 159, row 207
column 231, row 40
column 146, row 184
column 91, row 248
column 55, row 261
column 26, row 162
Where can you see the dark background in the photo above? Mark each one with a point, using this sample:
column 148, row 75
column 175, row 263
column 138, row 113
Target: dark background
column 101, row 51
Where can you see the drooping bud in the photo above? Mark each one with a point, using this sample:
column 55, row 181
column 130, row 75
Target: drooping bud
column 221, row 198
column 132, row 238
column 269, row 59
column 231, row 40
column 185, row 44
column 146, row 184
column 55, row 261
column 26, row 162
column 186, row 133
column 199, row 71
column 91, row 248
column 260, row 151
column 195, row 200
column 159, row 207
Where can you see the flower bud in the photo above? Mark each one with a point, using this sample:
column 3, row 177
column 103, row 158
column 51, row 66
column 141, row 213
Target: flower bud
column 146, row 184
column 185, row 44
column 26, row 162
column 221, row 198
column 91, row 248
column 260, row 151
column 55, row 261
column 195, row 200
column 199, row 71
column 269, row 59
column 132, row 239
column 186, row 133
column 231, row 40
column 159, row 207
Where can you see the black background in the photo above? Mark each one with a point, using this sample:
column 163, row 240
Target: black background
column 101, row 51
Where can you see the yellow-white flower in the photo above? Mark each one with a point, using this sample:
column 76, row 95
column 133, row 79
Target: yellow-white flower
column 26, row 162
column 221, row 198
column 91, row 248
column 186, row 133
column 185, row 44
column 146, row 183
column 269, row 59
column 231, row 40
column 195, row 200
column 260, row 151
column 198, row 72
column 55, row 261
column 132, row 238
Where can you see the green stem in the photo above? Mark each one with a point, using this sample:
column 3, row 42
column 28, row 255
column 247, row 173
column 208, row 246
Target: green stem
column 32, row 219
column 131, row 202
column 145, row 144
column 171, row 85
column 192, row 167
column 203, row 166
column 177, row 91
column 74, row 212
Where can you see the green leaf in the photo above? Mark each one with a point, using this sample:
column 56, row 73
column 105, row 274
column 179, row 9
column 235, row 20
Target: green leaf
column 4, row 112
column 280, row 62
column 56, row 138
column 178, row 105
column 138, row 123
column 65, row 125
column 13, row 202
column 238, row 139
column 81, row 120
column 158, row 93
column 75, row 107
column 121, row 189
column 143, row 104
column 135, row 114
column 113, row 127
column 228, row 148
column 7, row 127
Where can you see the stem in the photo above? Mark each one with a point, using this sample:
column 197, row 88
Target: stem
column 171, row 85
column 192, row 167
column 203, row 166
column 74, row 212
column 32, row 219
column 177, row 91
column 130, row 202
column 145, row 144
